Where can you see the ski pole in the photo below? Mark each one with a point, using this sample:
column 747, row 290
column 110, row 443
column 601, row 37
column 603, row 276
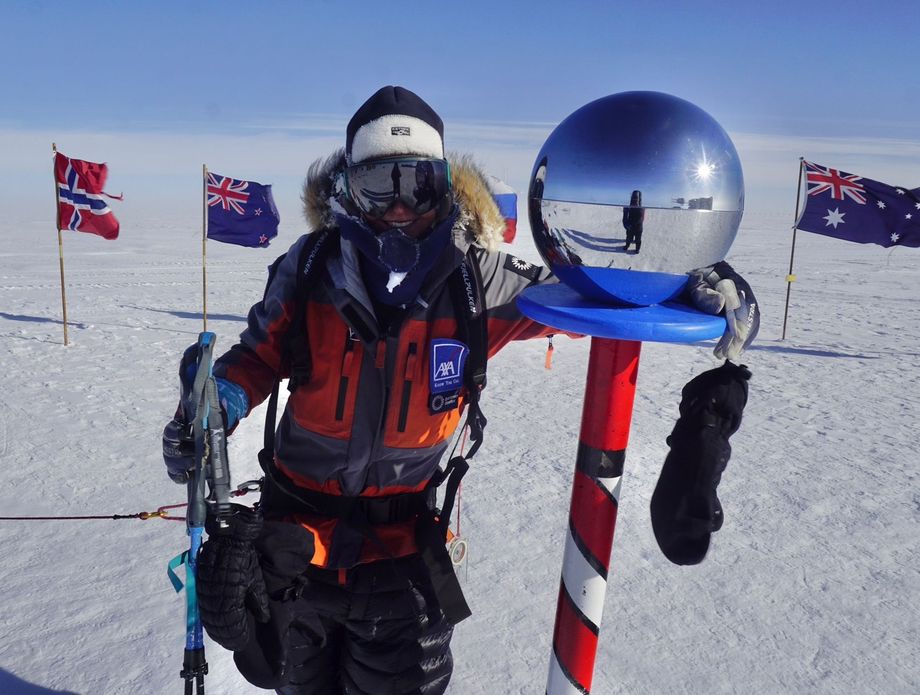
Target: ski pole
column 198, row 403
column 194, row 665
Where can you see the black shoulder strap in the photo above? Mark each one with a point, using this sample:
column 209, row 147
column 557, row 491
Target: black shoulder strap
column 469, row 303
column 295, row 347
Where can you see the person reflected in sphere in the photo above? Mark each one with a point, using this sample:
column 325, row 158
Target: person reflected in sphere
column 395, row 176
column 538, row 222
column 633, row 218
column 424, row 183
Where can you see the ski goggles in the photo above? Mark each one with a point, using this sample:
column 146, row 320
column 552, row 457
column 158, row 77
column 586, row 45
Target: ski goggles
column 419, row 183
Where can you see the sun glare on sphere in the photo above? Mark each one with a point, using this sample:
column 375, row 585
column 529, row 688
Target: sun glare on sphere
column 704, row 171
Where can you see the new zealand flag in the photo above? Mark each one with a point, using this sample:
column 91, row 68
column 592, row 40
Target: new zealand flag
column 858, row 209
column 240, row 212
column 80, row 197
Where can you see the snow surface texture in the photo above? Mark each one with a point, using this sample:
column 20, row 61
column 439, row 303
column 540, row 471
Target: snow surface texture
column 812, row 586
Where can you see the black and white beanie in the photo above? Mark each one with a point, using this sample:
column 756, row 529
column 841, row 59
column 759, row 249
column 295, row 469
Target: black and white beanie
column 394, row 122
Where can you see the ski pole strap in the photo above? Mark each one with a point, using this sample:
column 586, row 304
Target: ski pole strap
column 194, row 635
column 171, row 568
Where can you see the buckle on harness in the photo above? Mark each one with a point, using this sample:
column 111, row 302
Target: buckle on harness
column 479, row 378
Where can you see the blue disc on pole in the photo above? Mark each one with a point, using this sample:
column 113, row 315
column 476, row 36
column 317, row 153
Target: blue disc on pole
column 559, row 306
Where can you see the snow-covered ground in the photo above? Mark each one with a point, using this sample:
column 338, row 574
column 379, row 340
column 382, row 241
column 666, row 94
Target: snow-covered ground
column 812, row 586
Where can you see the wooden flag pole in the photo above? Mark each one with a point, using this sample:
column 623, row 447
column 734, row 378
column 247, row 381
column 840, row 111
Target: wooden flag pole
column 204, row 246
column 57, row 217
column 790, row 278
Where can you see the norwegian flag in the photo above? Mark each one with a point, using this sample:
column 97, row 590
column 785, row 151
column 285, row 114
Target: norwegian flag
column 854, row 208
column 240, row 212
column 81, row 206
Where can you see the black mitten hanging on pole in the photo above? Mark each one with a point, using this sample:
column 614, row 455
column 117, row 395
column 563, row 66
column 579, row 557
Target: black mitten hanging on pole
column 685, row 507
column 231, row 589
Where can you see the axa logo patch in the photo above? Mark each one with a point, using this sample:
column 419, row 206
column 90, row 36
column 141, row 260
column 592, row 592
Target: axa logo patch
column 447, row 360
column 445, row 370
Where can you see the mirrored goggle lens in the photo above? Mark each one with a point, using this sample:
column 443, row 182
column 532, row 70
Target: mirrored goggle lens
column 420, row 184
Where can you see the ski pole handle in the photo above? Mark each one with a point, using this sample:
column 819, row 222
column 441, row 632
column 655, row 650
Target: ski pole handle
column 197, row 406
column 218, row 466
column 210, row 435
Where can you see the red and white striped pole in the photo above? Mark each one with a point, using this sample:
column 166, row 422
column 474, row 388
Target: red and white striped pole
column 606, row 416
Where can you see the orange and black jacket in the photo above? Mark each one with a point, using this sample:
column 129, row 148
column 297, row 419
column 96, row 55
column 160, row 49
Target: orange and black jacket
column 362, row 424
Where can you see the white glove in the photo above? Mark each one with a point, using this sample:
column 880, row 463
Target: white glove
column 719, row 289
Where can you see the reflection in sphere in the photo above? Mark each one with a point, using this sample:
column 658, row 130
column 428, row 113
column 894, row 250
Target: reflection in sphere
column 633, row 191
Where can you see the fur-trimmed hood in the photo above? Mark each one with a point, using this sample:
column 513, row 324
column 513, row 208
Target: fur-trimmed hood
column 480, row 220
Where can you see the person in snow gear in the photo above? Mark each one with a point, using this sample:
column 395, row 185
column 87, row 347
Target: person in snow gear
column 633, row 219
column 382, row 319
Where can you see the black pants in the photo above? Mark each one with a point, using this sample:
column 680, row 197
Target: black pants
column 379, row 634
column 634, row 236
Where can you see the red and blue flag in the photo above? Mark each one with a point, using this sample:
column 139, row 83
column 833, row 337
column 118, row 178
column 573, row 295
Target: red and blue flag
column 854, row 208
column 506, row 199
column 81, row 204
column 240, row 212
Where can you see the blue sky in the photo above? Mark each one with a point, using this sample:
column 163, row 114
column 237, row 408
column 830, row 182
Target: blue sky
column 262, row 88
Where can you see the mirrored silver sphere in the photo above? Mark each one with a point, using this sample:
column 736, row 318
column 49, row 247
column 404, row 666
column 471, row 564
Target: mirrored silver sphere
column 633, row 191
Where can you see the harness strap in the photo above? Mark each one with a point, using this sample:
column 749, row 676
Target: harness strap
column 296, row 345
column 465, row 287
column 453, row 473
column 282, row 497
column 362, row 513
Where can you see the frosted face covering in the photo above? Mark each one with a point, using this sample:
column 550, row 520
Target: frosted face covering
column 420, row 184
column 399, row 252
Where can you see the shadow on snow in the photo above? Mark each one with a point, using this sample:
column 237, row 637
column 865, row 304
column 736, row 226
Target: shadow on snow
column 196, row 315
column 38, row 319
column 807, row 351
column 11, row 685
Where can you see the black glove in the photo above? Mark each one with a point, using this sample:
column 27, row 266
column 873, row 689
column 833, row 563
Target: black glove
column 720, row 290
column 285, row 550
column 685, row 507
column 231, row 590
column 178, row 440
column 178, row 449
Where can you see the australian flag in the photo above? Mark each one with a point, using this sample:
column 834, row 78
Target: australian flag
column 81, row 206
column 240, row 212
column 858, row 209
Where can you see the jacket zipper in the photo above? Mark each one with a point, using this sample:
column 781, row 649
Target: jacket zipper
column 343, row 380
column 407, row 387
